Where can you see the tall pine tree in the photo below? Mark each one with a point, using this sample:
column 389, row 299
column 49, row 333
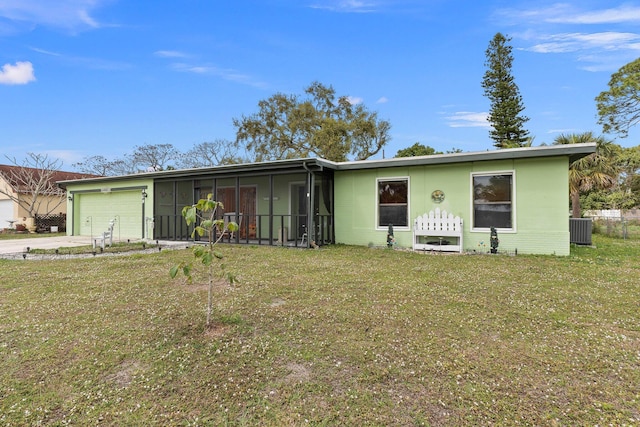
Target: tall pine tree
column 506, row 103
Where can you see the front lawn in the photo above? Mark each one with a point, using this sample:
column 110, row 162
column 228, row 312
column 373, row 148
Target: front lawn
column 338, row 336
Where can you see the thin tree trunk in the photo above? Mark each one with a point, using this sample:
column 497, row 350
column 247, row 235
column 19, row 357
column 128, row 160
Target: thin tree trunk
column 210, row 294
column 209, row 299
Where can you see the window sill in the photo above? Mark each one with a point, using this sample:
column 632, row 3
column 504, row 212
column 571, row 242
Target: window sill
column 499, row 230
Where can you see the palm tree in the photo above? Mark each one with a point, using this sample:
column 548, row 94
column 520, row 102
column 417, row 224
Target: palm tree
column 595, row 171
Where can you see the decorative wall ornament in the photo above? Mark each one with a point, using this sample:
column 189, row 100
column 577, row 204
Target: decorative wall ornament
column 437, row 196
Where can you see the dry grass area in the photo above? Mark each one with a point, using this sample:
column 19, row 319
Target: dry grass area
column 336, row 336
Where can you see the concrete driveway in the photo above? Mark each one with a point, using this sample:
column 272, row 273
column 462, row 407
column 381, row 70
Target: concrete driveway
column 19, row 245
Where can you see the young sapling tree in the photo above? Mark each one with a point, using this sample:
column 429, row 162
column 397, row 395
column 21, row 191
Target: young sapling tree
column 203, row 216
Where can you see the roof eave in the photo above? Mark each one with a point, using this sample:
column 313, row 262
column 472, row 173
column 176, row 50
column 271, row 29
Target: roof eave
column 242, row 168
column 573, row 151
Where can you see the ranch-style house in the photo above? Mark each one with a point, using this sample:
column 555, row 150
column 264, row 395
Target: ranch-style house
column 523, row 193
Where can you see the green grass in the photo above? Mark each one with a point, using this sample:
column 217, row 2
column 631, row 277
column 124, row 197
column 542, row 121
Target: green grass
column 337, row 336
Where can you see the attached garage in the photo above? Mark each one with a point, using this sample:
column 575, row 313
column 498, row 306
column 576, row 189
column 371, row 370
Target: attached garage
column 92, row 210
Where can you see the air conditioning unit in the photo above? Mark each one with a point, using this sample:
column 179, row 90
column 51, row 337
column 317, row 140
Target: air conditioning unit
column 580, row 231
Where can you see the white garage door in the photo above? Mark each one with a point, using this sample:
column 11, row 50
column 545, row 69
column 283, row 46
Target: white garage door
column 6, row 213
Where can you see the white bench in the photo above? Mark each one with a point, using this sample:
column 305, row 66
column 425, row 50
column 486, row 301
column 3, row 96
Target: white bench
column 437, row 231
column 106, row 238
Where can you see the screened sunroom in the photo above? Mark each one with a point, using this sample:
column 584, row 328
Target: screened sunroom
column 288, row 202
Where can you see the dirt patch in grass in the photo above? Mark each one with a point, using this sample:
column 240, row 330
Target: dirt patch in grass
column 298, row 373
column 277, row 302
column 124, row 373
column 216, row 330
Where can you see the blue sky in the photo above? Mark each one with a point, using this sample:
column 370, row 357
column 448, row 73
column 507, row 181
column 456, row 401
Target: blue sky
column 96, row 77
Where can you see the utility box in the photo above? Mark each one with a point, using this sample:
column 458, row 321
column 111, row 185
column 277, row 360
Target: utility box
column 580, row 231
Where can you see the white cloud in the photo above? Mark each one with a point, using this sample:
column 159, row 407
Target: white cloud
column 573, row 42
column 382, row 100
column 564, row 28
column 226, row 74
column 357, row 6
column 563, row 13
column 467, row 119
column 354, row 100
column 87, row 62
column 560, row 131
column 619, row 14
column 201, row 70
column 45, row 52
column 72, row 15
column 19, row 74
column 170, row 54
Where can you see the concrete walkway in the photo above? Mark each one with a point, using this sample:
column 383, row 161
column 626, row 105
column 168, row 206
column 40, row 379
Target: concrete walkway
column 19, row 245
column 15, row 248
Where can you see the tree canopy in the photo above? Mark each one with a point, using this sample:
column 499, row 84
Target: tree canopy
column 506, row 102
column 595, row 171
column 417, row 149
column 625, row 193
column 318, row 124
column 619, row 107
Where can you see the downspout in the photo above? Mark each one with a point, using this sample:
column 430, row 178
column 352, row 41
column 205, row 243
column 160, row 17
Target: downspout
column 270, row 225
column 237, row 208
column 71, row 198
column 144, row 221
column 310, row 208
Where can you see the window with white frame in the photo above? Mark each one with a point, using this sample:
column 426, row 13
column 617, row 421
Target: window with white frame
column 493, row 200
column 393, row 202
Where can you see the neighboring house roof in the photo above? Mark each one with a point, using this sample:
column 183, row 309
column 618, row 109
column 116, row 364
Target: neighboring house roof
column 573, row 151
column 11, row 174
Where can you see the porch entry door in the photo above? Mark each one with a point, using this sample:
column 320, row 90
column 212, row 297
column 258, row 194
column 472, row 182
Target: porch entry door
column 247, row 214
column 299, row 208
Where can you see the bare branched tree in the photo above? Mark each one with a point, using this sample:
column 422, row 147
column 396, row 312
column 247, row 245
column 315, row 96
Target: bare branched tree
column 208, row 154
column 147, row 158
column 101, row 166
column 155, row 157
column 95, row 165
column 32, row 184
column 124, row 166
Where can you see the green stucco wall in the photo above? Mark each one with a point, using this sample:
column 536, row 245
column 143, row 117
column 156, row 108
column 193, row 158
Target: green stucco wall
column 541, row 203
